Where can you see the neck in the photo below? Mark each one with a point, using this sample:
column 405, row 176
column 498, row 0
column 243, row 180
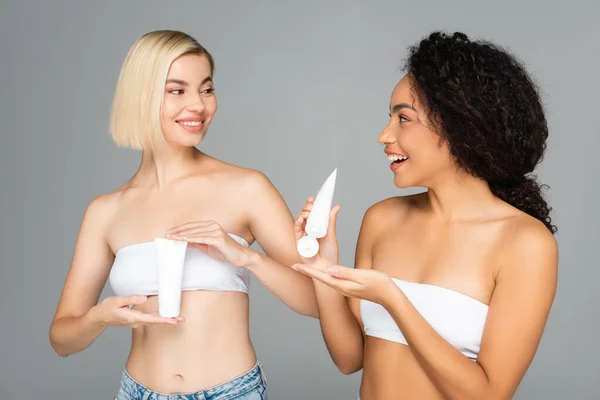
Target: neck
column 167, row 164
column 459, row 196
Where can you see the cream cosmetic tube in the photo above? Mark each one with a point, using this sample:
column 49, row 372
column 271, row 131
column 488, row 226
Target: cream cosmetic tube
column 318, row 219
column 171, row 257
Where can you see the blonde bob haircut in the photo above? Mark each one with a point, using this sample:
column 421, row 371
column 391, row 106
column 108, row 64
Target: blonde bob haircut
column 136, row 107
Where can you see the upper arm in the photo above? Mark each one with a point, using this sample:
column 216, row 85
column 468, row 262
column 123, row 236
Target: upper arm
column 270, row 221
column 90, row 264
column 519, row 308
column 363, row 255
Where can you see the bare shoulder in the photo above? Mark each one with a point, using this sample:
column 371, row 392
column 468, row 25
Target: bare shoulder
column 95, row 223
column 240, row 177
column 251, row 182
column 103, row 206
column 255, row 180
column 524, row 233
column 528, row 247
column 393, row 209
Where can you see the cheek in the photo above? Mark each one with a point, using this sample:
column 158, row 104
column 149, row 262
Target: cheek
column 171, row 108
column 426, row 151
column 439, row 156
column 168, row 113
column 443, row 153
column 211, row 105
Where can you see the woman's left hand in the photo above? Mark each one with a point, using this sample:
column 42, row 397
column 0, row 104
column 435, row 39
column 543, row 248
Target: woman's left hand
column 367, row 284
column 212, row 240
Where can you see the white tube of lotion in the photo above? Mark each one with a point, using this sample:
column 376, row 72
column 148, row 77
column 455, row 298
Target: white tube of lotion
column 318, row 219
column 171, row 258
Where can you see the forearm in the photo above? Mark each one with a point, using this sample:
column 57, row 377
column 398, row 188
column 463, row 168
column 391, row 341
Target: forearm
column 293, row 288
column 70, row 335
column 455, row 375
column 341, row 331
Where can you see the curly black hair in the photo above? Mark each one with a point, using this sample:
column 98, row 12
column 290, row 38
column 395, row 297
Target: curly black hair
column 488, row 110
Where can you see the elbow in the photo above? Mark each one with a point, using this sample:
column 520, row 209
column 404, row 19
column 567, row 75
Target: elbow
column 487, row 392
column 58, row 349
column 494, row 393
column 307, row 310
column 309, row 313
column 348, row 357
column 60, row 353
column 347, row 367
column 54, row 343
column 487, row 396
column 313, row 313
column 349, row 370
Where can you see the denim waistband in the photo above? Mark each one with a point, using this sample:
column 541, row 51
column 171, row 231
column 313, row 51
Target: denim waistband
column 227, row 390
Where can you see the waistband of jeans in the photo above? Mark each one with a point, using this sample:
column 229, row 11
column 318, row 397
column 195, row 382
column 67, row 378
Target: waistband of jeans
column 240, row 384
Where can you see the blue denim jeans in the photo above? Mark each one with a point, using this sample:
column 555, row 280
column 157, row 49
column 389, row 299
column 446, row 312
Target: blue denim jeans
column 250, row 386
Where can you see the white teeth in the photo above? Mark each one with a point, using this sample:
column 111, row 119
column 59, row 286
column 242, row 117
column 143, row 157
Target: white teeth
column 394, row 157
column 191, row 123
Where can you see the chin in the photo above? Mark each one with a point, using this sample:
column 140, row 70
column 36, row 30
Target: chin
column 190, row 140
column 402, row 182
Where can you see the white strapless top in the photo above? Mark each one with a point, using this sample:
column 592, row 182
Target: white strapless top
column 458, row 318
column 135, row 271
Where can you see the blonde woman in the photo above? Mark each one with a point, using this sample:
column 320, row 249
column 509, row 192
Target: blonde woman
column 164, row 103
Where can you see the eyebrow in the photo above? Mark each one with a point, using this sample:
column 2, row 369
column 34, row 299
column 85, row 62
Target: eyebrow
column 184, row 83
column 398, row 107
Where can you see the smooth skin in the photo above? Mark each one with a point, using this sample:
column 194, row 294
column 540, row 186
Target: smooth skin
column 178, row 187
column 456, row 235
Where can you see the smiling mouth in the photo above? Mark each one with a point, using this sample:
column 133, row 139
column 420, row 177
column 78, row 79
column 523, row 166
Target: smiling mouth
column 396, row 158
column 190, row 123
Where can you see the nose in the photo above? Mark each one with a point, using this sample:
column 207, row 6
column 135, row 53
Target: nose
column 196, row 104
column 386, row 136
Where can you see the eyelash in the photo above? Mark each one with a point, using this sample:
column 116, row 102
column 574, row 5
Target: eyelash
column 206, row 91
column 401, row 118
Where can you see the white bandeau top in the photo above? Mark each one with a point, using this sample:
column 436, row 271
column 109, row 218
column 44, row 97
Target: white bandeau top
column 458, row 318
column 135, row 271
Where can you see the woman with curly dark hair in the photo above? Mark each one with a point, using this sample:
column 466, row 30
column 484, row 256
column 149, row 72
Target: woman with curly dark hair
column 451, row 287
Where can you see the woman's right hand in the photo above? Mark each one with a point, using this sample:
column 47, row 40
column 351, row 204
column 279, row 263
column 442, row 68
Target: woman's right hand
column 116, row 311
column 328, row 248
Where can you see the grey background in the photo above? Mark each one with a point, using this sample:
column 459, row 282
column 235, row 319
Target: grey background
column 303, row 87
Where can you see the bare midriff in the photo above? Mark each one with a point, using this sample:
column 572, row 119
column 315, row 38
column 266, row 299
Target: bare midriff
column 211, row 347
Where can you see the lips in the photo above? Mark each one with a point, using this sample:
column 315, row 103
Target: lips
column 397, row 159
column 190, row 123
column 194, row 124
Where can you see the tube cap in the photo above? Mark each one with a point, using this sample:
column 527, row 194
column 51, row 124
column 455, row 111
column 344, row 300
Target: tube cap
column 308, row 246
